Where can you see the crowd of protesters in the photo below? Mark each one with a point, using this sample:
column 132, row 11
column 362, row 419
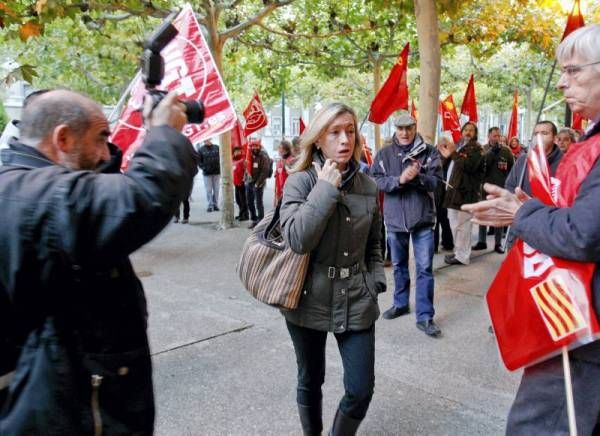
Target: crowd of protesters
column 335, row 199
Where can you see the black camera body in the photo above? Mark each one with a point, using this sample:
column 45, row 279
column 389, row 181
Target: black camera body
column 153, row 68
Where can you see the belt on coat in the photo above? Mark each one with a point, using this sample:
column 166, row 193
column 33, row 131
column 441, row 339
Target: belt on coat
column 335, row 272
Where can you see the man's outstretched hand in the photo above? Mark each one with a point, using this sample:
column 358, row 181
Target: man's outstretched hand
column 499, row 209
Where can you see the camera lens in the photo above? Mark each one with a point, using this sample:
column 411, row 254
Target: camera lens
column 194, row 109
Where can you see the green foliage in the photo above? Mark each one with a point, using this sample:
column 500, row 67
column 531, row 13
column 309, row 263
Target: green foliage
column 3, row 118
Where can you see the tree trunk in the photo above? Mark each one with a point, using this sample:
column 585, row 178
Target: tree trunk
column 227, row 210
column 376, row 86
column 429, row 51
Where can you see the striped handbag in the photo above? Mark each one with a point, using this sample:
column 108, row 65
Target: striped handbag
column 268, row 268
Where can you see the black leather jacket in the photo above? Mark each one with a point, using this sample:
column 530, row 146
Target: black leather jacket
column 65, row 240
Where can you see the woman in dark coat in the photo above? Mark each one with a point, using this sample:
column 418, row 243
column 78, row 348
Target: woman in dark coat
column 329, row 210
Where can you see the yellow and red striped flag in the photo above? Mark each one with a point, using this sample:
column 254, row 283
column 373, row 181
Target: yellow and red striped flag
column 561, row 315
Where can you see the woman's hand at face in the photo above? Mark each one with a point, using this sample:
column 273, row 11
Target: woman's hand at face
column 329, row 172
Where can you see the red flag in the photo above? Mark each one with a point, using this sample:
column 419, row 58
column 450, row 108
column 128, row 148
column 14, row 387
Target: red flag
column 393, row 95
column 413, row 110
column 450, row 120
column 574, row 20
column 237, row 137
column 469, row 103
column 191, row 70
column 302, row 125
column 538, row 303
column 255, row 115
column 513, row 125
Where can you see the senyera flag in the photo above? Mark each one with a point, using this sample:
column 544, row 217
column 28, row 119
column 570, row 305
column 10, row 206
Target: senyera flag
column 393, row 95
column 538, row 303
column 191, row 71
column 450, row 120
column 255, row 115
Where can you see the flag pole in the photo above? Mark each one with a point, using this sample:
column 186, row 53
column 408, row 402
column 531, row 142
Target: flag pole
column 117, row 108
column 569, row 392
column 363, row 121
column 537, row 120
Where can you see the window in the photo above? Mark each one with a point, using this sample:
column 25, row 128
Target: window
column 276, row 126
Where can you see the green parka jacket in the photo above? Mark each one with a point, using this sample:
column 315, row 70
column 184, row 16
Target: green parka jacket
column 467, row 169
column 341, row 229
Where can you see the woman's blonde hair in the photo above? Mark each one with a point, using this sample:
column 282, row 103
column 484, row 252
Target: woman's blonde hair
column 323, row 118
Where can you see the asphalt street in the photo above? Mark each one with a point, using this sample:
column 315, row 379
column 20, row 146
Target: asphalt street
column 224, row 363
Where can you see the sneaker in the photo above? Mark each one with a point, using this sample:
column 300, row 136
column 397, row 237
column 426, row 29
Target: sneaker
column 429, row 327
column 176, row 220
column 499, row 249
column 184, row 221
column 452, row 260
column 209, row 209
column 252, row 224
column 395, row 312
column 215, row 209
column 479, row 246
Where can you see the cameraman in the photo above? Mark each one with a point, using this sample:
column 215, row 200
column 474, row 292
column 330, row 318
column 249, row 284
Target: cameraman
column 72, row 309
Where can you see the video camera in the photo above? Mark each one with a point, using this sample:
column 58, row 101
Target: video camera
column 153, row 68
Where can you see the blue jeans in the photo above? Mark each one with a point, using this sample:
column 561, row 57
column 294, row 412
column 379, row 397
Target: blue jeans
column 211, row 183
column 357, row 349
column 422, row 241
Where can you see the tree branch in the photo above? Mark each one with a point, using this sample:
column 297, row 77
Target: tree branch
column 283, row 52
column 256, row 19
column 313, row 35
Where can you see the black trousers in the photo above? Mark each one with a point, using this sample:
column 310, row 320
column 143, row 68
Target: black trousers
column 357, row 349
column 254, row 196
column 186, row 209
column 540, row 407
column 443, row 223
column 240, row 199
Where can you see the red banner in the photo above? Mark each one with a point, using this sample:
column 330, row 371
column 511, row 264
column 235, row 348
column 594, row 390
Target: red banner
column 255, row 115
column 538, row 303
column 513, row 125
column 237, row 137
column 574, row 20
column 393, row 95
column 302, row 125
column 191, row 70
column 469, row 103
column 450, row 120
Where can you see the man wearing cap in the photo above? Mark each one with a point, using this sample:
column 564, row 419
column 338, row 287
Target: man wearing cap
column 407, row 171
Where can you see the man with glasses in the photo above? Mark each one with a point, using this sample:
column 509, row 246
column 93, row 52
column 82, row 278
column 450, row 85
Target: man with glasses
column 408, row 171
column 571, row 232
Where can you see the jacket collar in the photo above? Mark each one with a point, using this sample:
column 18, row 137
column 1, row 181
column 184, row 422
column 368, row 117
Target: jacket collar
column 347, row 176
column 22, row 155
column 407, row 148
column 554, row 154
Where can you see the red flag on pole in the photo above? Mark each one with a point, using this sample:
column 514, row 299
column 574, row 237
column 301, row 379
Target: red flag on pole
column 513, row 125
column 191, row 70
column 469, row 103
column 574, row 20
column 237, row 137
column 450, row 121
column 302, row 125
column 538, row 303
column 413, row 110
column 393, row 95
column 255, row 115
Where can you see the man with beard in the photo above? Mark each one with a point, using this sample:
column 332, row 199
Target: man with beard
column 464, row 186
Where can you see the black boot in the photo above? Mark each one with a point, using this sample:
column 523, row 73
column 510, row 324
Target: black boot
column 311, row 419
column 344, row 425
